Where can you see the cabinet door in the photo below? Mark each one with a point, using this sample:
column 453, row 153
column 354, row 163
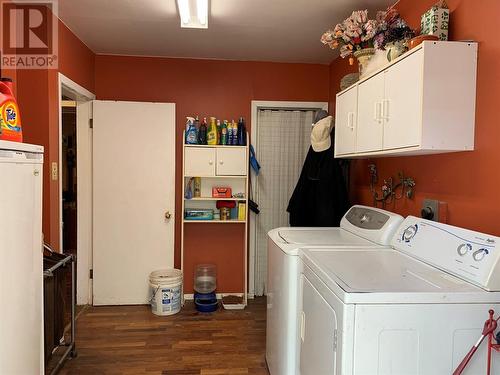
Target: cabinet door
column 232, row 161
column 345, row 122
column 402, row 106
column 318, row 333
column 370, row 125
column 199, row 161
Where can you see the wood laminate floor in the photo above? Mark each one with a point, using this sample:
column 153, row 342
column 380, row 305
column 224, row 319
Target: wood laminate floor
column 131, row 340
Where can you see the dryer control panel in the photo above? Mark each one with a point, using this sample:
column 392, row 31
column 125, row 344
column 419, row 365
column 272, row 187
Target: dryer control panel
column 470, row 255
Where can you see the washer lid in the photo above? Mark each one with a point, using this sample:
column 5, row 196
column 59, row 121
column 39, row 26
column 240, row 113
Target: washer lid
column 388, row 276
column 321, row 236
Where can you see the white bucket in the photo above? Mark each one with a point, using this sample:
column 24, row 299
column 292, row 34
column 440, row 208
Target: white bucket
column 165, row 291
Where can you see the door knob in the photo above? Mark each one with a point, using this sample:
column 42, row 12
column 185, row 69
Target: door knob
column 168, row 215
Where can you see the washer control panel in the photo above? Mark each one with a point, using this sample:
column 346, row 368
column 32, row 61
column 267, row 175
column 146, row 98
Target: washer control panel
column 371, row 223
column 470, row 255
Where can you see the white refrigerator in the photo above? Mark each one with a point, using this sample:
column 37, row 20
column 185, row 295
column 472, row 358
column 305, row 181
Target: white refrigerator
column 21, row 272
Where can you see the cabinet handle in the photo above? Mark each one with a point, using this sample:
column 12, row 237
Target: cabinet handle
column 302, row 325
column 210, row 162
column 350, row 120
column 378, row 110
column 221, row 162
column 385, row 109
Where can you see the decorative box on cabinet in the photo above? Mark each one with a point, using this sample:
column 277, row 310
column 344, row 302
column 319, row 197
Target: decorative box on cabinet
column 422, row 103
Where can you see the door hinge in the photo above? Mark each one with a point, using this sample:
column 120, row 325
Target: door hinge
column 91, row 274
column 91, row 123
column 335, row 340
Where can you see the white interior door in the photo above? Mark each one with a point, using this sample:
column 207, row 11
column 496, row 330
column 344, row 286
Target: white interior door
column 134, row 187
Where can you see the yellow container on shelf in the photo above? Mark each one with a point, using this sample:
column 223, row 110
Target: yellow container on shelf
column 242, row 211
column 212, row 132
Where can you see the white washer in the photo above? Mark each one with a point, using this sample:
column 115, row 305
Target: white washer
column 415, row 309
column 361, row 227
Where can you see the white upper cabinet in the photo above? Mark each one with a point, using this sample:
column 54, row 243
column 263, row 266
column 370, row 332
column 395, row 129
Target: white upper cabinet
column 370, row 125
column 346, row 120
column 422, row 103
column 401, row 109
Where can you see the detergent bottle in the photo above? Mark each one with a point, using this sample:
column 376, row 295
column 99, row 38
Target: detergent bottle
column 212, row 132
column 10, row 119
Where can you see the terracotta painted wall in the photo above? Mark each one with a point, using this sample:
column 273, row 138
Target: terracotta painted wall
column 209, row 88
column 37, row 94
column 469, row 181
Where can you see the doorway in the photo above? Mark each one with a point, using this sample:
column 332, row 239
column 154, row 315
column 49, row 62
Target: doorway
column 68, row 175
column 281, row 138
column 75, row 180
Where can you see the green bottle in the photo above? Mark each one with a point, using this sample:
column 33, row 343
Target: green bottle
column 223, row 137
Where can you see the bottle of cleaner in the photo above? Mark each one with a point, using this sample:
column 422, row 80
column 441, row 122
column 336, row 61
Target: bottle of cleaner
column 223, row 137
column 219, row 132
column 202, row 132
column 242, row 132
column 10, row 119
column 212, row 132
column 235, row 134
column 191, row 133
column 229, row 133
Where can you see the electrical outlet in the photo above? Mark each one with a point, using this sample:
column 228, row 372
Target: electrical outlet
column 54, row 171
column 430, row 209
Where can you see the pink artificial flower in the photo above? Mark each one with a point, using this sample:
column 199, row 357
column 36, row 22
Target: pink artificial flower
column 345, row 51
column 371, row 28
column 327, row 37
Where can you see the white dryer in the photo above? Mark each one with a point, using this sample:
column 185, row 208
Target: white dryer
column 361, row 227
column 415, row 309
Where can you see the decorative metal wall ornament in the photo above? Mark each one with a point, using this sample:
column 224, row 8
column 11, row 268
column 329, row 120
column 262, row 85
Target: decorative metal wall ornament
column 390, row 192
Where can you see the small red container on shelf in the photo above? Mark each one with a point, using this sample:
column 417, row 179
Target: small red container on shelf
column 221, row 192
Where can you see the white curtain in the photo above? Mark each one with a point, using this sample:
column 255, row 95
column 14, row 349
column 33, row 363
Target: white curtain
column 283, row 139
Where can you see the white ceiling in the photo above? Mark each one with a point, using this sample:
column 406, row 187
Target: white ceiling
column 258, row 30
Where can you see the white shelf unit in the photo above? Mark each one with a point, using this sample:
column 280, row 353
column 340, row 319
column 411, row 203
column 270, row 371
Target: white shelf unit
column 217, row 165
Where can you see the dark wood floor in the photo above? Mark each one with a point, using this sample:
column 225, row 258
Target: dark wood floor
column 131, row 340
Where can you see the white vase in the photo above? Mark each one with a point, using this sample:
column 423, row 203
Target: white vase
column 363, row 55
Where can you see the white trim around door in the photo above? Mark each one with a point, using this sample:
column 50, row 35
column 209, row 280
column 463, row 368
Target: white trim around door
column 83, row 98
column 256, row 106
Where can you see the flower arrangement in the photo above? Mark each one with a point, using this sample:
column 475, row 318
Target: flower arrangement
column 356, row 32
column 392, row 28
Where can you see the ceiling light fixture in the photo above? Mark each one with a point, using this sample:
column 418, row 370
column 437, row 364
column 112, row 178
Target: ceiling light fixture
column 202, row 7
column 193, row 13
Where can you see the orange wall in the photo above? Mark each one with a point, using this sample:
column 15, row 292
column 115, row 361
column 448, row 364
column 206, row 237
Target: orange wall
column 468, row 181
column 38, row 97
column 209, row 88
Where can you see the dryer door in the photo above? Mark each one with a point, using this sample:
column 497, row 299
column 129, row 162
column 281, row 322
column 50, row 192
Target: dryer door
column 318, row 332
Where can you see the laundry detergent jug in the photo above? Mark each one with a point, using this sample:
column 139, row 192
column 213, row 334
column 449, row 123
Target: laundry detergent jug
column 10, row 119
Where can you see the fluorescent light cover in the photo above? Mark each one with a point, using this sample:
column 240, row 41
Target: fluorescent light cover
column 184, row 11
column 202, row 8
